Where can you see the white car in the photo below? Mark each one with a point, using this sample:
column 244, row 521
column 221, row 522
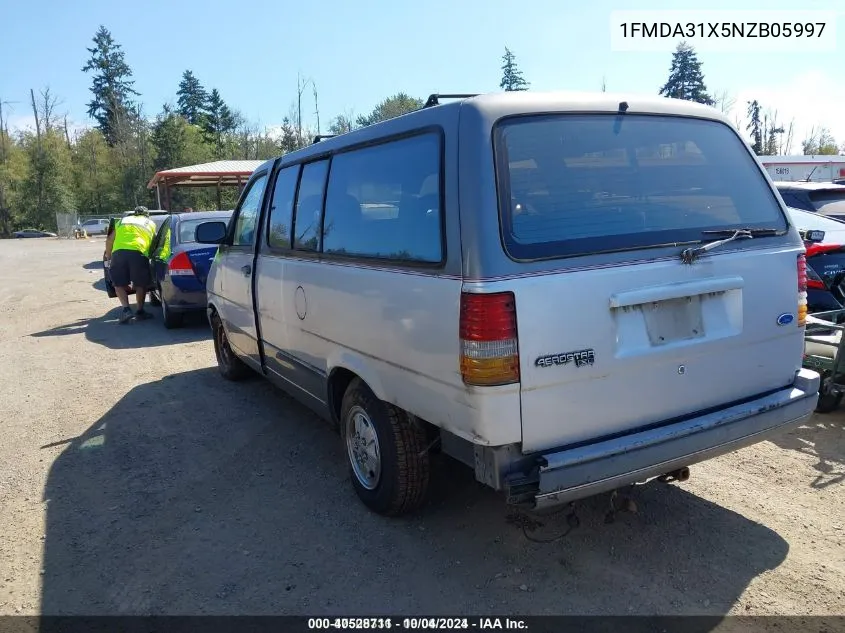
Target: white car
column 834, row 230
column 568, row 293
column 96, row 226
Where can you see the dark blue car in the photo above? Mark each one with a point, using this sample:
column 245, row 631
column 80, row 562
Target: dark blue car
column 180, row 265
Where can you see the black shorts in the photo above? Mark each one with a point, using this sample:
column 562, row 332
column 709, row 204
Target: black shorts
column 129, row 266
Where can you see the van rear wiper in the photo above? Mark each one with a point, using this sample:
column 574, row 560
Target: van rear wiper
column 689, row 255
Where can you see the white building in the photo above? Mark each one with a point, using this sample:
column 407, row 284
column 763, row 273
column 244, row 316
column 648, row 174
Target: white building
column 792, row 168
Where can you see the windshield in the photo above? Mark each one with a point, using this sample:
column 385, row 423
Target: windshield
column 188, row 228
column 829, row 201
column 581, row 184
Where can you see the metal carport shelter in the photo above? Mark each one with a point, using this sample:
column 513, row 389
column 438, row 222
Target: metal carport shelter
column 221, row 173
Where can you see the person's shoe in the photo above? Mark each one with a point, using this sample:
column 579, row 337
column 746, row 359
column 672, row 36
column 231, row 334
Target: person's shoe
column 143, row 315
column 125, row 316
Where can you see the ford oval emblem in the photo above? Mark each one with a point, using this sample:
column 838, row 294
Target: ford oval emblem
column 785, row 319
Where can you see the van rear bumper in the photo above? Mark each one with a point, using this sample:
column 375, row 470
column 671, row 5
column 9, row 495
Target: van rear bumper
column 572, row 474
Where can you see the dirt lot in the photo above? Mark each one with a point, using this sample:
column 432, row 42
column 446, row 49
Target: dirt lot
column 133, row 479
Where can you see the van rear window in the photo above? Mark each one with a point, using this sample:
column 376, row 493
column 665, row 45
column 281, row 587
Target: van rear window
column 573, row 184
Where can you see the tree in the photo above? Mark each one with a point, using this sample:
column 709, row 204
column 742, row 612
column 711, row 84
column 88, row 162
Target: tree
column 217, row 122
column 341, row 124
column 724, row 102
column 192, row 99
column 111, row 84
column 14, row 169
column 512, row 79
column 288, row 138
column 820, row 142
column 168, row 138
column 773, row 130
column 48, row 186
column 95, row 175
column 755, row 126
column 394, row 106
column 686, row 80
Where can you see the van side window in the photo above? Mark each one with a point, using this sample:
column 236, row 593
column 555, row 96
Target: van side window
column 248, row 214
column 384, row 201
column 281, row 209
column 309, row 206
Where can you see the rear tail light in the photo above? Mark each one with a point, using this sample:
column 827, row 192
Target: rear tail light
column 489, row 350
column 180, row 265
column 813, row 280
column 802, row 290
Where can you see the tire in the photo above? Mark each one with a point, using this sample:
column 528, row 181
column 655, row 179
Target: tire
column 392, row 478
column 171, row 319
column 828, row 402
column 231, row 367
column 155, row 301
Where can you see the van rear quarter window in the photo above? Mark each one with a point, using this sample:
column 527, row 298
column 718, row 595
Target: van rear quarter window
column 579, row 184
column 383, row 201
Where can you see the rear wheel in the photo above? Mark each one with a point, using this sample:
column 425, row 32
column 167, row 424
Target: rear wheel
column 386, row 451
column 171, row 319
column 829, row 400
column 231, row 367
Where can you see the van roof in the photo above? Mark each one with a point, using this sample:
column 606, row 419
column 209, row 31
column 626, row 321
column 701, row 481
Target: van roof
column 495, row 105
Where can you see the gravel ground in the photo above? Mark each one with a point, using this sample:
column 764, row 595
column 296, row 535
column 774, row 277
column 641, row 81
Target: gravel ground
column 135, row 480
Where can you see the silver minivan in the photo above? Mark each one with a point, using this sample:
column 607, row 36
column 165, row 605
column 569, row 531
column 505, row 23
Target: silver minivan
column 570, row 293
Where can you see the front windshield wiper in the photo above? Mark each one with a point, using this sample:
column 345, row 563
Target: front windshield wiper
column 689, row 255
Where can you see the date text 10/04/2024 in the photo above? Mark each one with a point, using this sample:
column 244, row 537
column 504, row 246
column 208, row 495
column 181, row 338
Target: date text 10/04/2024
column 411, row 624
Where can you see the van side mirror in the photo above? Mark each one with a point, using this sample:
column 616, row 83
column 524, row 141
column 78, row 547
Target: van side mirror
column 213, row 232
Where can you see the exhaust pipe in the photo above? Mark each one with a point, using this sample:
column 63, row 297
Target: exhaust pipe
column 681, row 474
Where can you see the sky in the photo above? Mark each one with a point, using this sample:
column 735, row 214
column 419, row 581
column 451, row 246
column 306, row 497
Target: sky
column 358, row 53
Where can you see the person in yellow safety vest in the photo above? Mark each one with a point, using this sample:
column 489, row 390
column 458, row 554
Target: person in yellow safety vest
column 128, row 250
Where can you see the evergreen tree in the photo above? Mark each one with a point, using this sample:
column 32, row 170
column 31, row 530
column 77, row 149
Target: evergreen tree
column 755, row 126
column 192, row 98
column 512, row 79
column 168, row 138
column 111, row 84
column 217, row 121
column 288, row 141
column 686, row 80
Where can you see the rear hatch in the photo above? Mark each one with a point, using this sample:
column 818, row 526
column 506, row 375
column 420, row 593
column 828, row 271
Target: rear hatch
column 624, row 335
column 201, row 258
column 201, row 255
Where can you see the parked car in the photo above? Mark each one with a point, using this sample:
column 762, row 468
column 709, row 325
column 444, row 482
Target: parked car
column 825, row 261
column 824, row 198
column 568, row 293
column 157, row 217
column 180, row 265
column 96, row 226
column 25, row 233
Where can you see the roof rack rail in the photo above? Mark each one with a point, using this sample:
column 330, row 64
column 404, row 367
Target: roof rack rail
column 434, row 99
column 320, row 137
